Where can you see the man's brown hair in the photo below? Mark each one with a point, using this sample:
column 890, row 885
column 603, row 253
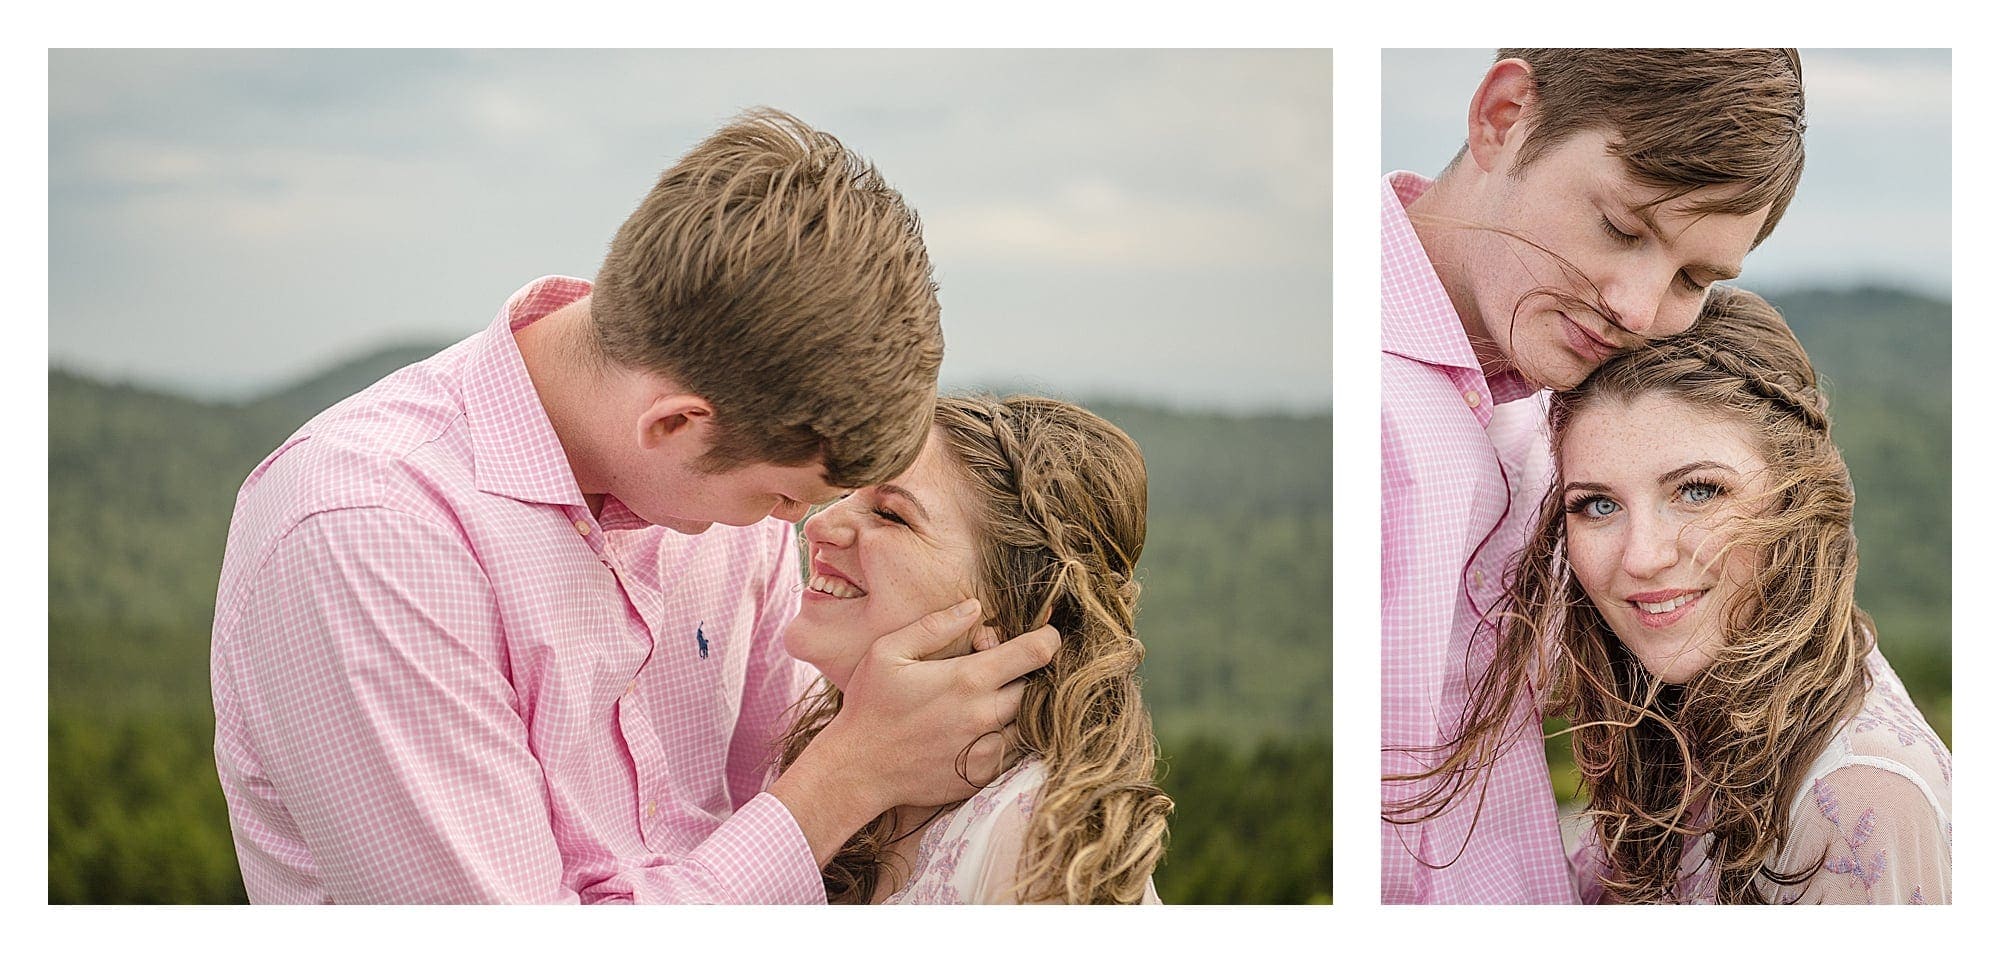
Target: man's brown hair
column 774, row 273
column 1681, row 119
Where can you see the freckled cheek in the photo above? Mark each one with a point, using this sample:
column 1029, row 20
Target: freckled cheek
column 918, row 584
column 1590, row 557
column 1715, row 548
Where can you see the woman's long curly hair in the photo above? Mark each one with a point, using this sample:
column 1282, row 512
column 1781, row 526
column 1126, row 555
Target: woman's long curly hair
column 1725, row 753
column 1060, row 498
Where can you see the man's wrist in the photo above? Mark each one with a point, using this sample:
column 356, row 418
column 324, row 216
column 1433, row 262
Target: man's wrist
column 828, row 806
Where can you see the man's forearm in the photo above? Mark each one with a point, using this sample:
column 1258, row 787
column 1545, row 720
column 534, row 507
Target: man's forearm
column 828, row 808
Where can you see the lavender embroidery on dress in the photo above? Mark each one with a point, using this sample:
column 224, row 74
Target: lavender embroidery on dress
column 1867, row 870
column 1829, row 806
column 1897, row 713
column 936, row 866
column 981, row 806
column 931, row 882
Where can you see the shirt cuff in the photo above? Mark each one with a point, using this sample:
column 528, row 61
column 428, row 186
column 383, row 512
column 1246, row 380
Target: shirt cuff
column 761, row 853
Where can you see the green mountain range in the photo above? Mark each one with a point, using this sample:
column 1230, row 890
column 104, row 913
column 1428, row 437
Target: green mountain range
column 1236, row 612
column 1238, row 600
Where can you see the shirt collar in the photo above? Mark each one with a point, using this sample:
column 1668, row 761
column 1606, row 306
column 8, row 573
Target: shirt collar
column 515, row 452
column 1418, row 319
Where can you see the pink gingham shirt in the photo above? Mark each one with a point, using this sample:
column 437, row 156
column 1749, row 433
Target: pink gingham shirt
column 1455, row 445
column 439, row 678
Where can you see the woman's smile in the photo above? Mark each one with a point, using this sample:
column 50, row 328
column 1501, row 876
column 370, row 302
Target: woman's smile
column 1662, row 608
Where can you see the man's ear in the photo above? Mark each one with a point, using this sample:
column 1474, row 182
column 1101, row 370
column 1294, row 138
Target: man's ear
column 676, row 418
column 1497, row 115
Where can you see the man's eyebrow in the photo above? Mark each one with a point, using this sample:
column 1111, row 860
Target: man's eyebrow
column 1714, row 272
column 892, row 489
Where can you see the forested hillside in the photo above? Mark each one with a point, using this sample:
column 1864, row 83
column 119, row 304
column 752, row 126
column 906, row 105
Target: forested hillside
column 1236, row 613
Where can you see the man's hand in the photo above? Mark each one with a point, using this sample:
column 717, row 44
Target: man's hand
column 908, row 727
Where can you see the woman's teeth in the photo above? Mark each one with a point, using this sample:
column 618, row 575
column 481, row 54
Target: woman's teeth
column 1670, row 605
column 834, row 587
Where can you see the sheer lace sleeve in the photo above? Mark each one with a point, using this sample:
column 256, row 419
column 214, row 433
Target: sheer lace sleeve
column 1000, row 862
column 975, row 857
column 1876, row 835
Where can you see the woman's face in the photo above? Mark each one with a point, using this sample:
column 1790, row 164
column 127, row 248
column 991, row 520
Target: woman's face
column 881, row 558
column 1650, row 487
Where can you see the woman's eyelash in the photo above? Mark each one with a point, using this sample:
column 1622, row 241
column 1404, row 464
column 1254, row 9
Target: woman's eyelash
column 1711, row 490
column 1576, row 506
column 890, row 515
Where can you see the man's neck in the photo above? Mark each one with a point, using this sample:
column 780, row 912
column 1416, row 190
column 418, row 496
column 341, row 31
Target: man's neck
column 1445, row 226
column 566, row 376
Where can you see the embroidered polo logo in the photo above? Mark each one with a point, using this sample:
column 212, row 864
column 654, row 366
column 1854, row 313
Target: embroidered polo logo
column 700, row 643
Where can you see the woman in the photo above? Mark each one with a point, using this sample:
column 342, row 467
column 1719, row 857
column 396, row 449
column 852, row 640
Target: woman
column 1742, row 739
column 1037, row 508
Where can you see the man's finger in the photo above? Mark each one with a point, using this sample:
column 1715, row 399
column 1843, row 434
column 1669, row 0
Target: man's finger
column 1014, row 658
column 988, row 756
column 987, row 637
column 934, row 632
column 1007, row 704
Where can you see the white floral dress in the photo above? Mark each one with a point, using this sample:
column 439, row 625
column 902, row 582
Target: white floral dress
column 1874, row 812
column 970, row 855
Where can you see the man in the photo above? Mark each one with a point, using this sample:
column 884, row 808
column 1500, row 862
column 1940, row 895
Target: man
column 476, row 639
column 1598, row 196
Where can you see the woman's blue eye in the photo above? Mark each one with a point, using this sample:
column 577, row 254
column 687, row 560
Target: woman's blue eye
column 1592, row 507
column 1700, row 492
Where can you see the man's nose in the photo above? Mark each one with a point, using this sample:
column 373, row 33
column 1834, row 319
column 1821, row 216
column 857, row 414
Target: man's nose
column 1638, row 303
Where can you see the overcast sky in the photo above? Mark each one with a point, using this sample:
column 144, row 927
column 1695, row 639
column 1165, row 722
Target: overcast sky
column 1875, row 202
column 1129, row 223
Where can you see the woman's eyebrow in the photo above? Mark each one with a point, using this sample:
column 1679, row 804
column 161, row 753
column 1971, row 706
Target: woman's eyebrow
column 1569, row 488
column 1674, row 475
column 892, row 489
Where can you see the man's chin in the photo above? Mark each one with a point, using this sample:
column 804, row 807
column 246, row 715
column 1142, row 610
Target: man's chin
column 1566, row 377
column 687, row 527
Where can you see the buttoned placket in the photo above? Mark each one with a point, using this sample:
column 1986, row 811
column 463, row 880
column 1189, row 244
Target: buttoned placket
column 633, row 724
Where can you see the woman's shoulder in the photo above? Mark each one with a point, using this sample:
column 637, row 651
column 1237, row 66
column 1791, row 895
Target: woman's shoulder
column 1873, row 815
column 1889, row 733
column 964, row 854
column 1000, row 811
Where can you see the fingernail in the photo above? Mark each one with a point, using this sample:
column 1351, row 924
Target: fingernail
column 965, row 609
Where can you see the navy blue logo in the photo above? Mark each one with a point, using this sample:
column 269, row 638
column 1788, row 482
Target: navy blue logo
column 699, row 641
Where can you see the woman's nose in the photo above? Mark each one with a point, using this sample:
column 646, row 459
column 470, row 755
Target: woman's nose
column 1652, row 547
column 832, row 526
